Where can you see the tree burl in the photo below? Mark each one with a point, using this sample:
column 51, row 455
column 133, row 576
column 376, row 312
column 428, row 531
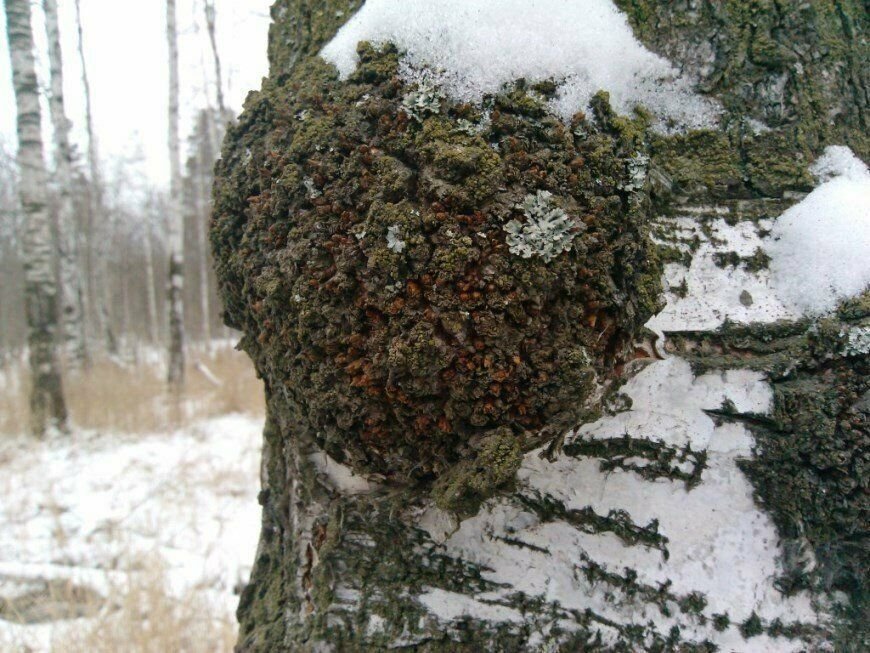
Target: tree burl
column 433, row 287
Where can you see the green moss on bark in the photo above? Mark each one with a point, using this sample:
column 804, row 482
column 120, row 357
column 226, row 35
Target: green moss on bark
column 798, row 67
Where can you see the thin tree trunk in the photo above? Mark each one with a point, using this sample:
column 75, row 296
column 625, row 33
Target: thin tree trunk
column 210, row 22
column 100, row 297
column 128, row 335
column 203, row 215
column 47, row 406
column 175, row 374
column 71, row 302
column 205, row 165
column 151, row 293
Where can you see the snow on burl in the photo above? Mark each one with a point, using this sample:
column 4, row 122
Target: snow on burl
column 472, row 48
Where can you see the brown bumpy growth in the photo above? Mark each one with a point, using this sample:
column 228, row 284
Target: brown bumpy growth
column 360, row 241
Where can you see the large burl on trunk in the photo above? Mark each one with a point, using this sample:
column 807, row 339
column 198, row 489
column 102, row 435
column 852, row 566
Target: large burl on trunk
column 436, row 292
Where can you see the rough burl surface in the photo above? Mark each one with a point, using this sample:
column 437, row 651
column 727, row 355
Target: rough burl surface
column 361, row 245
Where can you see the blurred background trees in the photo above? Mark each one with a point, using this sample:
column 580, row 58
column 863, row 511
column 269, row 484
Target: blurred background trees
column 112, row 225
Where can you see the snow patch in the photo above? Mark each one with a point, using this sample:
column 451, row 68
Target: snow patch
column 820, row 247
column 472, row 48
column 85, row 507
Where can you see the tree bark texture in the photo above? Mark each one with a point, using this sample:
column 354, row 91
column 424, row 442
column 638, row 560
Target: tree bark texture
column 563, row 557
column 175, row 375
column 47, row 406
column 71, row 291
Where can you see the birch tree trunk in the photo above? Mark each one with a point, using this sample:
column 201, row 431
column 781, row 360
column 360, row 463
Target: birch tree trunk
column 175, row 375
column 71, row 301
column 99, row 285
column 715, row 503
column 47, row 406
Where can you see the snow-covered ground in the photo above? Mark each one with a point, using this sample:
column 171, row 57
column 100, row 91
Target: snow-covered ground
column 91, row 508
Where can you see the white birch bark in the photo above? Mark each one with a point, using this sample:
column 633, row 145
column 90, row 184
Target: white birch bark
column 214, row 127
column 175, row 375
column 71, row 307
column 47, row 406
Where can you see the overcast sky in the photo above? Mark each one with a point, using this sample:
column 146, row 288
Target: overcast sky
column 126, row 52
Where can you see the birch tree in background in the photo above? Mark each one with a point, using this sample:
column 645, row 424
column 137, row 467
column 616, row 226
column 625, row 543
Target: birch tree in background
column 47, row 406
column 201, row 180
column 176, row 255
column 71, row 302
column 98, row 282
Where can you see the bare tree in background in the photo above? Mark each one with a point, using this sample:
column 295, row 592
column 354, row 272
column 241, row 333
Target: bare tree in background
column 215, row 129
column 210, row 22
column 12, row 320
column 176, row 245
column 71, row 302
column 47, row 406
column 201, row 180
column 98, row 282
column 151, row 294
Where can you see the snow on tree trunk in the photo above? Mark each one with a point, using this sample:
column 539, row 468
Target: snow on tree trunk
column 47, row 406
column 71, row 302
column 714, row 500
column 175, row 375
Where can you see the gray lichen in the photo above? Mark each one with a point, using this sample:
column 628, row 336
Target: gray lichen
column 638, row 165
column 547, row 232
column 857, row 341
column 394, row 239
column 424, row 101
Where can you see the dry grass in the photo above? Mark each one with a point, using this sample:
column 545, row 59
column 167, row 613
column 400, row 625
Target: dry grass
column 133, row 397
column 143, row 616
column 13, row 397
column 138, row 615
column 142, row 613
